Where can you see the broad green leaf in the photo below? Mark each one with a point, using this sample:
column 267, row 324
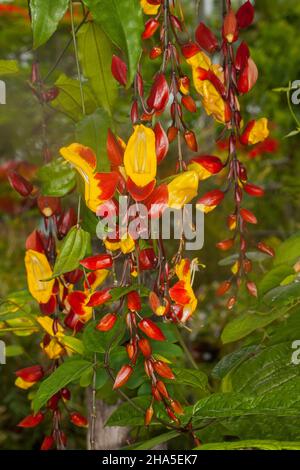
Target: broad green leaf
column 8, row 67
column 45, row 16
column 92, row 132
column 73, row 249
column 283, row 295
column 255, row 256
column 57, row 178
column 289, row 251
column 67, row 372
column 123, row 24
column 229, row 405
column 95, row 54
column 153, row 442
column 191, row 377
column 128, row 414
column 166, row 349
column 251, row 444
column 74, row 344
column 227, row 363
column 100, row 341
column 89, row 220
column 68, row 100
column 273, row 278
column 269, row 370
column 246, row 323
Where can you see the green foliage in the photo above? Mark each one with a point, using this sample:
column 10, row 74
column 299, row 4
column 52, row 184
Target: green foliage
column 69, row 371
column 92, row 132
column 68, row 100
column 57, row 178
column 122, row 23
column 45, row 18
column 95, row 54
column 73, row 249
column 8, row 67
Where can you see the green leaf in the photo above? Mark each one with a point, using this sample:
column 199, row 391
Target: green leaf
column 166, row 349
column 45, row 17
column 283, row 295
column 128, row 415
column 251, row 444
column 292, row 134
column 67, row 372
column 123, row 24
column 99, row 341
column 246, row 323
column 274, row 277
column 92, row 132
column 255, row 256
column 229, row 405
column 95, row 54
column 57, row 178
column 68, row 100
column 268, row 371
column 9, row 67
column 73, row 249
column 153, row 442
column 227, row 363
column 289, row 251
column 191, row 377
column 72, row 343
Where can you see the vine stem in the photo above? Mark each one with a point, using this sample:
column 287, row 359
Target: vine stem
column 186, row 349
column 95, row 361
column 76, row 58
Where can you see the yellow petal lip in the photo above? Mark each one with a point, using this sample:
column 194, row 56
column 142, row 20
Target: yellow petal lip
column 140, row 160
column 47, row 324
column 148, row 8
column 38, row 268
column 19, row 382
column 83, row 158
column 259, row 131
column 182, row 189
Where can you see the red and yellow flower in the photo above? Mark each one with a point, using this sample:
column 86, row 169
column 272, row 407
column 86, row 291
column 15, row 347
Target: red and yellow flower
column 98, row 187
column 182, row 292
column 182, row 189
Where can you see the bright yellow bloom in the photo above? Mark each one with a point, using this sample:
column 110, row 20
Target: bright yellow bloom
column 140, row 156
column 199, row 60
column 149, row 9
column 19, row 382
column 182, row 189
column 259, row 132
column 98, row 187
column 54, row 349
column 126, row 244
column 38, row 268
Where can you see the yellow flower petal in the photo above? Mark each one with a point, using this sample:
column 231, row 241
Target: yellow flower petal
column 47, row 324
column 182, row 189
column 127, row 245
column 38, row 268
column 19, row 382
column 53, row 349
column 202, row 173
column 149, row 9
column 199, row 60
column 140, row 156
column 259, row 132
column 205, row 209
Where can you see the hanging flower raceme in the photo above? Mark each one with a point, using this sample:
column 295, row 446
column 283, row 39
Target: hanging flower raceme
column 98, row 187
column 182, row 292
column 140, row 162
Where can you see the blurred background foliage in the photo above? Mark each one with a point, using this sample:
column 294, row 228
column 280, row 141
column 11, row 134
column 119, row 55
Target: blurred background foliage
column 274, row 42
